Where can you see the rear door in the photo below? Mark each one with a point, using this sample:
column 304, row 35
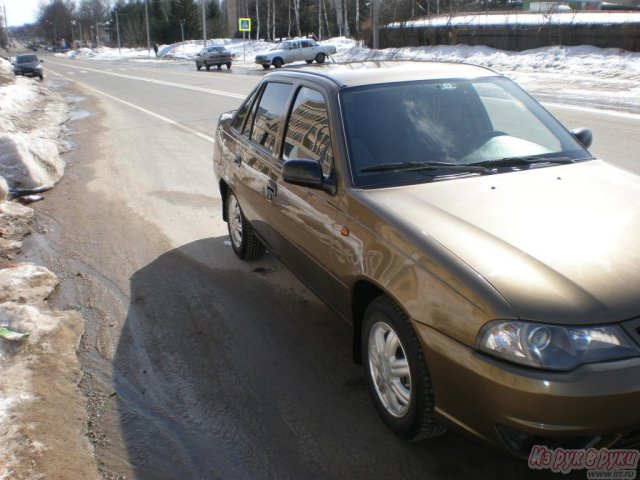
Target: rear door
column 262, row 133
column 305, row 218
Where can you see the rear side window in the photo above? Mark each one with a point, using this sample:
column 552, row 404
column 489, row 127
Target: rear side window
column 308, row 135
column 270, row 113
column 238, row 122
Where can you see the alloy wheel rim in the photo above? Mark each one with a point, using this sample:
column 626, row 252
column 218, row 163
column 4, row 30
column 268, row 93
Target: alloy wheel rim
column 235, row 222
column 389, row 369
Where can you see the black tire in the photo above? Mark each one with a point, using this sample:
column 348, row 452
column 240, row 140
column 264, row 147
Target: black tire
column 277, row 62
column 309, row 61
column 228, row 65
column 41, row 77
column 207, row 66
column 198, row 66
column 416, row 419
column 321, row 57
column 246, row 245
column 266, row 67
column 219, row 66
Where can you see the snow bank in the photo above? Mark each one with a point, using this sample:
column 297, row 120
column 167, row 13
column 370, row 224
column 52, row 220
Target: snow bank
column 31, row 117
column 26, row 283
column 516, row 18
column 576, row 61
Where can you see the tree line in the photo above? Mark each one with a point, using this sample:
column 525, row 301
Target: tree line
column 92, row 21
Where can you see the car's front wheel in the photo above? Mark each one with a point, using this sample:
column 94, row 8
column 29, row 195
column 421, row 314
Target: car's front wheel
column 266, row 67
column 228, row 65
column 207, row 66
column 198, row 66
column 246, row 245
column 277, row 62
column 397, row 372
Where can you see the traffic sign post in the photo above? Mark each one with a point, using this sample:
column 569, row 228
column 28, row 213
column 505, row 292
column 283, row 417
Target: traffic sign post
column 244, row 25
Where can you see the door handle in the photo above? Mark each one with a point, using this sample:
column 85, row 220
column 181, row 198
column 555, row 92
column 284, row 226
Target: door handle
column 272, row 190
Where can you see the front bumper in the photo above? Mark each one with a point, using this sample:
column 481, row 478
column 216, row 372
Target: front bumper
column 518, row 407
column 28, row 73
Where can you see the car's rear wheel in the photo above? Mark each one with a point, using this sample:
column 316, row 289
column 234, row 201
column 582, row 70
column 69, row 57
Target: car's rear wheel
column 266, row 67
column 246, row 245
column 321, row 57
column 309, row 61
column 397, row 372
column 277, row 62
column 228, row 65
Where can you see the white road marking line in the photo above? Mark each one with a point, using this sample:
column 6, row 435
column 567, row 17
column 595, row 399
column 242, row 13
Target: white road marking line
column 71, row 73
column 161, row 82
column 181, row 126
column 613, row 113
column 83, row 71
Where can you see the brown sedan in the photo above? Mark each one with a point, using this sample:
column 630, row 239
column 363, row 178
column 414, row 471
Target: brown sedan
column 490, row 266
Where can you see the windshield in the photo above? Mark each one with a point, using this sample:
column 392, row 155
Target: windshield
column 418, row 131
column 26, row 59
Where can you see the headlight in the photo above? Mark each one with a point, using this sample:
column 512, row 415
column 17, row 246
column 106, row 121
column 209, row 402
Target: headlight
column 555, row 347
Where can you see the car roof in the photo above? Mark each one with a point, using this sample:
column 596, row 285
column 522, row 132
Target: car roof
column 376, row 72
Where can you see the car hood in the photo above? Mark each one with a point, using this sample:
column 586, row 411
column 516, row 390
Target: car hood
column 561, row 244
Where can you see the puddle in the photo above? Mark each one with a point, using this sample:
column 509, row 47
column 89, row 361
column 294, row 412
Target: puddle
column 78, row 114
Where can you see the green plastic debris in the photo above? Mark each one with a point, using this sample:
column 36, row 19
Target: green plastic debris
column 9, row 335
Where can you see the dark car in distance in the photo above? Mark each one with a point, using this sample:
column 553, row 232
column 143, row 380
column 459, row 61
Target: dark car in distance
column 214, row 56
column 28, row 65
column 489, row 264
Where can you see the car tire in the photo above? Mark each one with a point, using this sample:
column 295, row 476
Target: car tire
column 228, row 65
column 198, row 67
column 321, row 57
column 309, row 61
column 406, row 403
column 266, row 67
column 246, row 245
column 219, row 66
column 207, row 66
column 41, row 77
column 277, row 62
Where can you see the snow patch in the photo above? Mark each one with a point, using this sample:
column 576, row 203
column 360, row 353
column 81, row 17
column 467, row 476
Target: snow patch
column 26, row 283
column 31, row 118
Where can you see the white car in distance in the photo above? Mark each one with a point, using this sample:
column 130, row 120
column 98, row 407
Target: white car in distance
column 291, row 51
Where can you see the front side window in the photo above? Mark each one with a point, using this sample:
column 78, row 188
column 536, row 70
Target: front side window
column 452, row 124
column 269, row 113
column 308, row 135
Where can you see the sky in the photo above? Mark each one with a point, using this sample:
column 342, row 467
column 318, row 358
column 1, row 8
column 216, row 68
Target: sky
column 20, row 12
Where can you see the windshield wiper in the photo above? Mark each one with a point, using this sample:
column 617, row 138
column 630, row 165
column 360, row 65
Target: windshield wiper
column 407, row 166
column 528, row 160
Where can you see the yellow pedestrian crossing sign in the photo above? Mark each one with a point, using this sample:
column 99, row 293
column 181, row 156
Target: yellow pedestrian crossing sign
column 244, row 24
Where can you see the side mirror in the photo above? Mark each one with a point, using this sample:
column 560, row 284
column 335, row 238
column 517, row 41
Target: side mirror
column 306, row 173
column 584, row 136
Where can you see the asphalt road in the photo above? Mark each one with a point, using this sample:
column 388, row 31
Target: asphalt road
column 198, row 365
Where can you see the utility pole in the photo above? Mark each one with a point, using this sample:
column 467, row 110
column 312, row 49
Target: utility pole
column 118, row 29
column 376, row 24
column 146, row 17
column 204, row 24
